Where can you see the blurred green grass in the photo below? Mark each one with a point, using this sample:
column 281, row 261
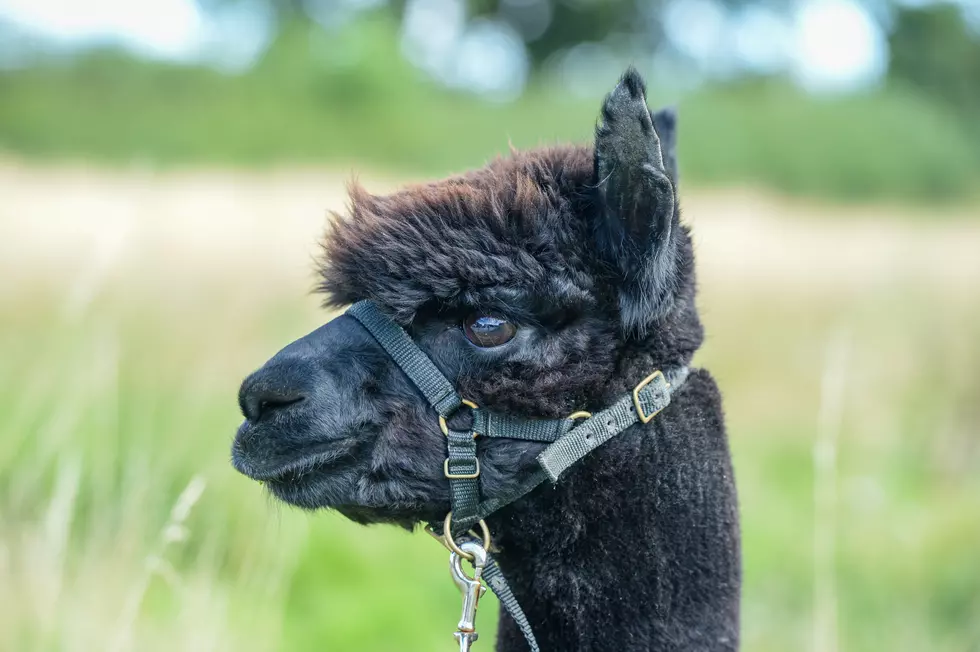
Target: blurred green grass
column 348, row 98
column 119, row 393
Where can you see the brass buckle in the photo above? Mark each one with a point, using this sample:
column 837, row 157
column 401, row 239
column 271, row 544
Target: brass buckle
column 460, row 476
column 645, row 418
column 442, row 420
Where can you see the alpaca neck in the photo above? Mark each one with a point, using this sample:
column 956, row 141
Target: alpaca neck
column 569, row 554
column 636, row 547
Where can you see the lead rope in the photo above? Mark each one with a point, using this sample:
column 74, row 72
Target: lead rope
column 484, row 568
column 568, row 443
column 500, row 588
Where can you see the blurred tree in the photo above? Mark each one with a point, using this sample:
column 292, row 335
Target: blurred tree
column 549, row 26
column 546, row 26
column 932, row 46
column 934, row 49
column 571, row 22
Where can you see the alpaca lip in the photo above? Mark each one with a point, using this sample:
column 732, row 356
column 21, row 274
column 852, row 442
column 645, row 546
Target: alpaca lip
column 293, row 470
column 406, row 517
column 311, row 495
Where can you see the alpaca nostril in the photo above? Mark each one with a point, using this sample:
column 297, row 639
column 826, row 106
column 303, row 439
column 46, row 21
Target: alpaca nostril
column 283, row 381
column 257, row 404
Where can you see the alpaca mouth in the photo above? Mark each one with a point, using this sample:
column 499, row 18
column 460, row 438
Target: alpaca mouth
column 292, row 472
column 407, row 517
column 311, row 481
column 288, row 468
column 312, row 490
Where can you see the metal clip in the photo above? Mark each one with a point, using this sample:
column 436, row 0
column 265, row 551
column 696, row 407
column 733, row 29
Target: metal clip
column 471, row 588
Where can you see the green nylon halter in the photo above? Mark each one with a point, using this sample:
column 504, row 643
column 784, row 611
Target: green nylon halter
column 569, row 440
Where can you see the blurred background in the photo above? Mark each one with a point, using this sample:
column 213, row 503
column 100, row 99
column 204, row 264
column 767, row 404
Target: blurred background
column 166, row 167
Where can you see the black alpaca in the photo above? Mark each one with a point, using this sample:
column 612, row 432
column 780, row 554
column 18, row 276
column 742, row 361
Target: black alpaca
column 548, row 282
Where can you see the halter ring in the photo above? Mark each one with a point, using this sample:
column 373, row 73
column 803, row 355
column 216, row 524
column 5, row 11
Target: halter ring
column 442, row 420
column 428, row 529
column 447, row 537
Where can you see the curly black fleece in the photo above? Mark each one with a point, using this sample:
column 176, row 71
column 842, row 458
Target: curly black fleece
column 637, row 547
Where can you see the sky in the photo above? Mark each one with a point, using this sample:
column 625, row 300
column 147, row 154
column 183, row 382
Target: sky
column 828, row 45
column 166, row 29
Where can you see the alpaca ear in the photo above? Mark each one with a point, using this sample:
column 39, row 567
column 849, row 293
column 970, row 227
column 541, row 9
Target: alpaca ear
column 638, row 223
column 665, row 122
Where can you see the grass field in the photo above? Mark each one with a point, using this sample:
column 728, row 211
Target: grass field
column 846, row 342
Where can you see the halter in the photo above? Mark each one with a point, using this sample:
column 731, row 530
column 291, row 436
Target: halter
column 570, row 439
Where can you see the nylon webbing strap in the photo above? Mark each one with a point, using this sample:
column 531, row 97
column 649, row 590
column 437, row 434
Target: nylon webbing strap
column 603, row 426
column 488, row 424
column 582, row 440
column 463, row 470
column 491, row 505
column 438, row 391
column 500, row 588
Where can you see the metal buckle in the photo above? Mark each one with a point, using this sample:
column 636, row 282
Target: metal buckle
column 460, row 476
column 442, row 420
column 645, row 418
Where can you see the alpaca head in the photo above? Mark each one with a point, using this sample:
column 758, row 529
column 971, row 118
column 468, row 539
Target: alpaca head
column 547, row 282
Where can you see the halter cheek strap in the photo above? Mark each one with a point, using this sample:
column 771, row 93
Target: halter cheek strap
column 569, row 439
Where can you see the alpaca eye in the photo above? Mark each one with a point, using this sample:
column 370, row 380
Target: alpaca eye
column 488, row 331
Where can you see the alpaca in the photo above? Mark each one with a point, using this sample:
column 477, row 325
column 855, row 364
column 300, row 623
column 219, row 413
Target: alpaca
column 550, row 281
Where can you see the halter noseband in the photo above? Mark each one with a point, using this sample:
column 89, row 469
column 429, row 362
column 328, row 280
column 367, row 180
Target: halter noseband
column 569, row 441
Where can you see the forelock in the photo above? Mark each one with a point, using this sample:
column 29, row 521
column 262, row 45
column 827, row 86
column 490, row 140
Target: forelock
column 513, row 228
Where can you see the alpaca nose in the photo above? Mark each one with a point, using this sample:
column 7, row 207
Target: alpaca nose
column 258, row 404
column 268, row 391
